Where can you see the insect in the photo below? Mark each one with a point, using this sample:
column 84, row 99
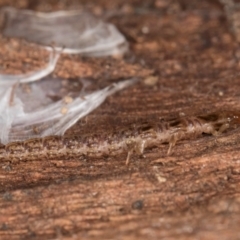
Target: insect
column 132, row 139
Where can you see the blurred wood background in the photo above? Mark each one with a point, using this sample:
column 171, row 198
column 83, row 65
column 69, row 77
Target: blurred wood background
column 187, row 55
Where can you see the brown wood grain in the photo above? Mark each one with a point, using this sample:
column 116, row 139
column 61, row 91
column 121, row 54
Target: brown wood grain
column 188, row 60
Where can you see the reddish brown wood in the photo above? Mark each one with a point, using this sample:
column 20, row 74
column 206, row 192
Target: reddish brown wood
column 188, row 60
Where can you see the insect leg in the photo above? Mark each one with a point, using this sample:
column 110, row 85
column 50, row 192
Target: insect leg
column 223, row 128
column 137, row 147
column 172, row 143
column 128, row 157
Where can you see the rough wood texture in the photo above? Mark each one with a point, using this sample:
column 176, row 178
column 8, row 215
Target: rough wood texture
column 189, row 62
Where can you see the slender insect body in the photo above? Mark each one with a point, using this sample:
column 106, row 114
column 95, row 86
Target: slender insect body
column 133, row 139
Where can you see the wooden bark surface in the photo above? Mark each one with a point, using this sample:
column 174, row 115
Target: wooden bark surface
column 188, row 60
